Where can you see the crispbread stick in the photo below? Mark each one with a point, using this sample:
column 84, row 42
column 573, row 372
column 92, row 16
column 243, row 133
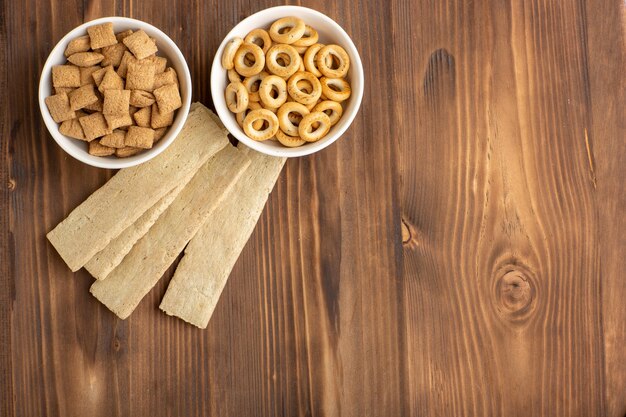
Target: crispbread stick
column 210, row 256
column 132, row 191
column 131, row 280
column 108, row 258
column 219, row 123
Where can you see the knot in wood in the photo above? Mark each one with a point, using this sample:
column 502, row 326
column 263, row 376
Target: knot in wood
column 410, row 234
column 406, row 232
column 515, row 294
column 514, row 291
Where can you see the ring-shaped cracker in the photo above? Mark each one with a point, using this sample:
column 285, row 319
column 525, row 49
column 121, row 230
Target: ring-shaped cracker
column 295, row 29
column 341, row 91
column 309, row 37
column 259, row 35
column 249, row 62
column 308, row 132
column 265, row 116
column 233, row 76
column 324, row 65
column 244, row 68
column 249, row 82
column 289, row 141
column 301, row 49
column 332, row 107
column 230, row 50
column 309, row 59
column 270, row 108
column 305, row 86
column 302, row 96
column 294, row 118
column 236, row 97
column 270, row 83
column 273, row 65
column 308, row 106
column 253, row 105
column 286, row 124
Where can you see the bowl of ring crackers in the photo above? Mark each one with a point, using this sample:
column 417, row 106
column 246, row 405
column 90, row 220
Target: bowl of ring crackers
column 287, row 81
column 115, row 92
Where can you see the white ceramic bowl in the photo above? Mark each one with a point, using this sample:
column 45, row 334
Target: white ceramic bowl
column 77, row 148
column 329, row 32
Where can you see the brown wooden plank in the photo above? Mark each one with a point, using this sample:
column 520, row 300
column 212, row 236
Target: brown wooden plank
column 56, row 335
column 502, row 267
column 606, row 54
column 6, row 256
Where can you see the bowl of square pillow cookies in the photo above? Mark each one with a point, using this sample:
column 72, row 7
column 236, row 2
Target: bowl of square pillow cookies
column 115, row 92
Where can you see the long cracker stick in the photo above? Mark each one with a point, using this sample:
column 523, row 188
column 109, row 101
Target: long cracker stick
column 131, row 280
column 211, row 255
column 132, row 191
column 219, row 123
column 108, row 258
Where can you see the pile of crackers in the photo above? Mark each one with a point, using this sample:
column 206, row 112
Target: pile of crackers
column 115, row 92
column 130, row 231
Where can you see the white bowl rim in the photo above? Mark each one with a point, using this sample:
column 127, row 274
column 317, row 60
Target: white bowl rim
column 309, row 148
column 119, row 163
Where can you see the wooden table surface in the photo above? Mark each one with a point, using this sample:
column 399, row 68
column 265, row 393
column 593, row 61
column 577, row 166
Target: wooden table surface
column 459, row 252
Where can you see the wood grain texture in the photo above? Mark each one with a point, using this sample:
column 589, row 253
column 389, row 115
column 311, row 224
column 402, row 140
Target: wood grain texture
column 511, row 281
column 459, row 252
column 6, row 255
column 606, row 48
